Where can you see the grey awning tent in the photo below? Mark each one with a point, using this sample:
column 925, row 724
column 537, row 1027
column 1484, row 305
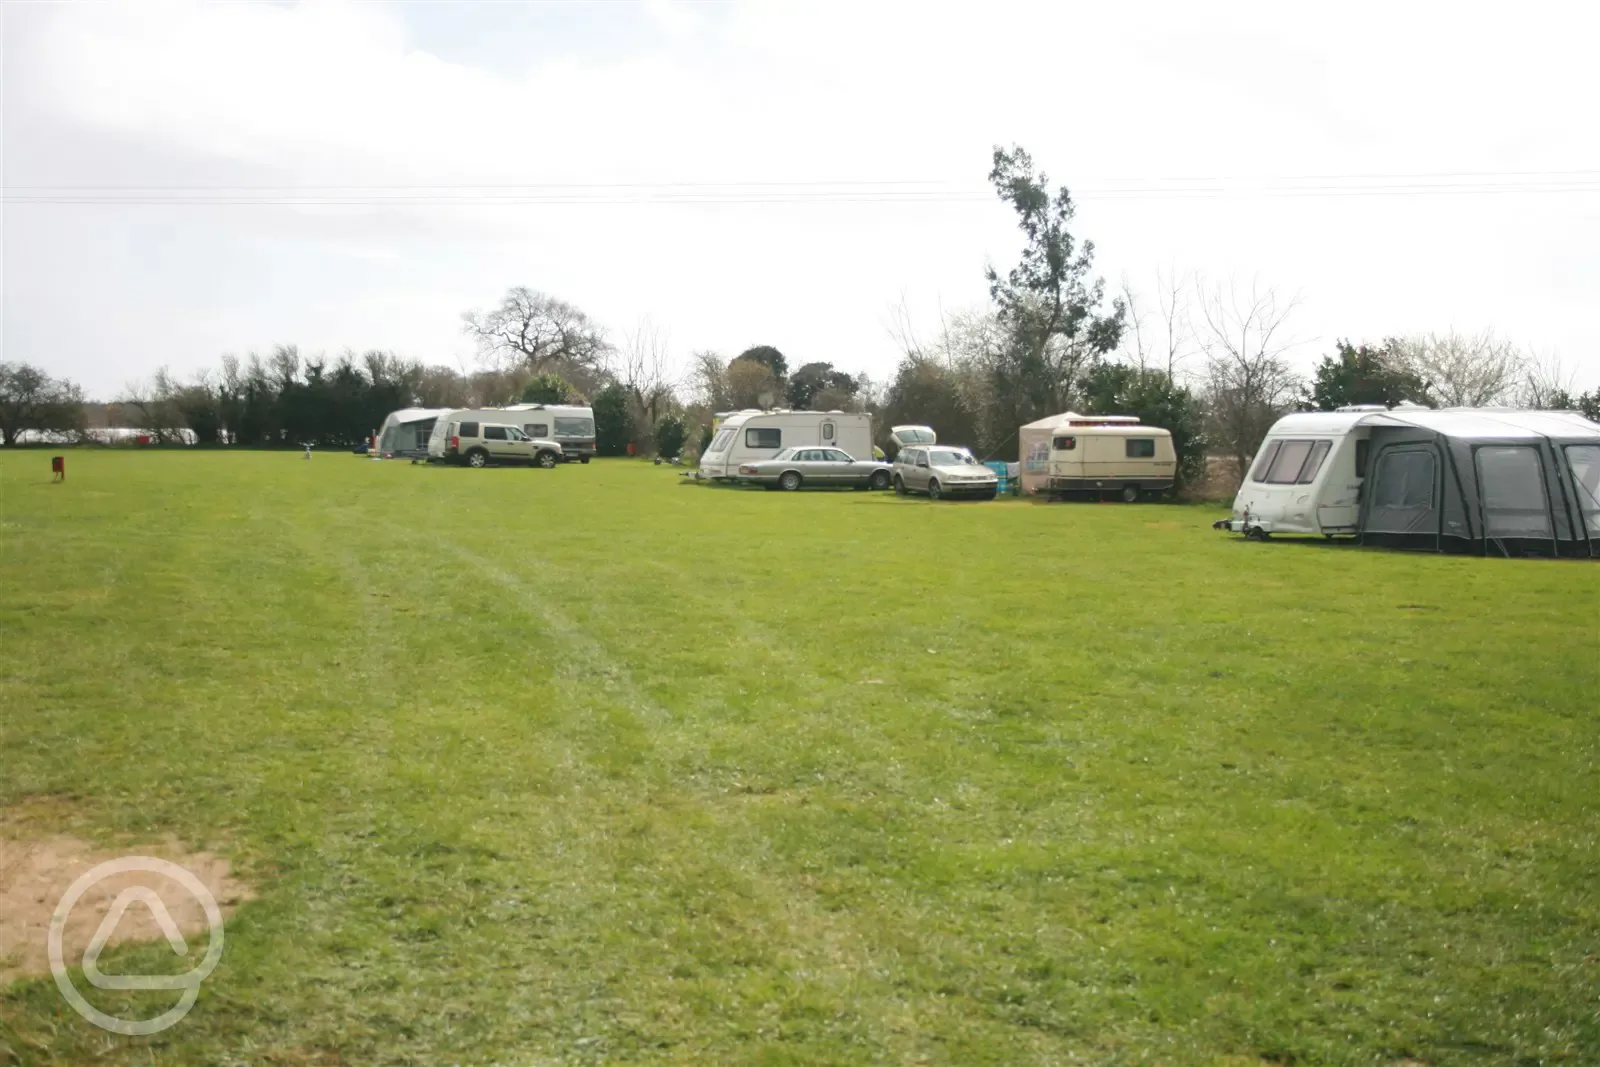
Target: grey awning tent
column 1483, row 481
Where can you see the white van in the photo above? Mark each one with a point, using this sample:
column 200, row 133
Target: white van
column 1306, row 477
column 1098, row 454
column 748, row 436
column 570, row 427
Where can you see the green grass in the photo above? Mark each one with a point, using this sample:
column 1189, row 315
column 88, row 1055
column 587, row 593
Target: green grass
column 588, row 766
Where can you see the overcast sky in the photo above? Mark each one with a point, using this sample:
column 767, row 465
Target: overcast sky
column 836, row 154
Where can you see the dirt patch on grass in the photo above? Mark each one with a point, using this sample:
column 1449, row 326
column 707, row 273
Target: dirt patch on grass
column 35, row 872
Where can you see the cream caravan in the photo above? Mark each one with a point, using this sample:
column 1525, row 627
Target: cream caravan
column 751, row 436
column 1098, row 454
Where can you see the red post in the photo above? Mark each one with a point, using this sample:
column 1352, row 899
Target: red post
column 58, row 467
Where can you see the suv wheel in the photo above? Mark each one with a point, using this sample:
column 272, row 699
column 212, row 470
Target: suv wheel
column 880, row 480
column 477, row 458
column 547, row 460
column 790, row 481
column 933, row 489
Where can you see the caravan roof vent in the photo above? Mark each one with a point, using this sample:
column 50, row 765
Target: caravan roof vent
column 835, row 411
column 1352, row 408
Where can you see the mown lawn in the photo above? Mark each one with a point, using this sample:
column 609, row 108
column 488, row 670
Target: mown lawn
column 589, row 766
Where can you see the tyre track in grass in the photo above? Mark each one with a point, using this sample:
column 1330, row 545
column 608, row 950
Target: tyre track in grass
column 850, row 954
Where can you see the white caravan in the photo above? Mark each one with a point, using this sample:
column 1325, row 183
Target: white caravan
column 569, row 426
column 1306, row 477
column 749, row 436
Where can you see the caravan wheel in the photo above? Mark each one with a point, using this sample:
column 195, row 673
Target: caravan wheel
column 1255, row 533
column 1130, row 494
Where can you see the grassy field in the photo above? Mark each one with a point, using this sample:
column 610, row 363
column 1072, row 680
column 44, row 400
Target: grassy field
column 590, row 766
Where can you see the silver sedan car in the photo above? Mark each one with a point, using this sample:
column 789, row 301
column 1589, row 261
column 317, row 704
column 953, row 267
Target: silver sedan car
column 815, row 468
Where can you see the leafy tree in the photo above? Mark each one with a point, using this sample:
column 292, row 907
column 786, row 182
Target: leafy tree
column 766, row 354
column 1048, row 303
column 548, row 388
column 814, row 379
column 613, row 421
column 926, row 392
column 1155, row 399
column 672, row 431
column 1589, row 404
column 752, row 384
column 32, row 400
column 1363, row 374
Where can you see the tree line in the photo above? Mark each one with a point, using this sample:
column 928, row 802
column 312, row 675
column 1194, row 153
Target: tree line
column 1207, row 361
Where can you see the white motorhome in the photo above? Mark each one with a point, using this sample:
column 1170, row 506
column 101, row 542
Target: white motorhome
column 1306, row 477
column 748, row 436
column 569, row 426
column 1097, row 454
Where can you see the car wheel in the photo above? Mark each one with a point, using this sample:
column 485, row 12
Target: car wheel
column 899, row 486
column 583, row 459
column 790, row 481
column 933, row 489
column 1130, row 494
column 547, row 460
column 477, row 458
column 880, row 480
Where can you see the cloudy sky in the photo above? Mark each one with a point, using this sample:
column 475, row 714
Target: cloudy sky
column 184, row 180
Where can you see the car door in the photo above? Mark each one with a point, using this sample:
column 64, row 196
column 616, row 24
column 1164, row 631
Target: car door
column 842, row 471
column 810, row 464
column 498, row 442
column 920, row 474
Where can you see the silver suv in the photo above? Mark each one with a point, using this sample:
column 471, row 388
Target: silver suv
column 943, row 471
column 478, row 444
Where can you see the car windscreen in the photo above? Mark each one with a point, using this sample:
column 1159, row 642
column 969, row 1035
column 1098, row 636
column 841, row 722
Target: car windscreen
column 945, row 458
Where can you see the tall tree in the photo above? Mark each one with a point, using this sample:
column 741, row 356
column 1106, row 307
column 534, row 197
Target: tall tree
column 1049, row 303
column 613, row 421
column 536, row 330
column 1363, row 374
column 768, row 355
column 751, row 384
column 815, row 379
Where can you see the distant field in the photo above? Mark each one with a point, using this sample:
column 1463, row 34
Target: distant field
column 588, row 766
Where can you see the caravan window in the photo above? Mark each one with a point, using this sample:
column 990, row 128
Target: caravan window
column 574, row 427
column 763, row 437
column 537, row 429
column 1319, row 452
column 1512, row 487
column 827, row 431
column 1064, row 444
column 1263, row 461
column 1285, row 469
column 1140, row 447
column 1584, row 462
column 720, row 444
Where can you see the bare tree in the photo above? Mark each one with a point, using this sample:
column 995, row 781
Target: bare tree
column 1465, row 370
column 1249, row 383
column 154, row 406
column 644, row 369
column 709, row 381
column 536, row 330
column 1547, row 384
column 1172, row 302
